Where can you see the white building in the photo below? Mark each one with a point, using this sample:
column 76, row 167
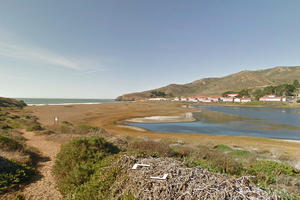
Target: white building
column 183, row 98
column 245, row 100
column 273, row 99
column 176, row 99
column 237, row 100
column 227, row 99
column 193, row 99
column 157, row 99
column 214, row 99
column 232, row 95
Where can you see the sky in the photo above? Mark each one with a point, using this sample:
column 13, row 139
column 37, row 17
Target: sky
column 103, row 49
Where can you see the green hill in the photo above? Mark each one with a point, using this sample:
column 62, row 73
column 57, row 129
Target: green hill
column 233, row 82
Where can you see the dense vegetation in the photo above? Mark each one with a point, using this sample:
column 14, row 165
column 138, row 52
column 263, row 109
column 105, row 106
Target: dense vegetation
column 84, row 168
column 279, row 90
column 158, row 94
column 17, row 161
column 7, row 102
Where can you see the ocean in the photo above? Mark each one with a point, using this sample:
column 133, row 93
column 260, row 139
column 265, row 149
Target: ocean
column 52, row 101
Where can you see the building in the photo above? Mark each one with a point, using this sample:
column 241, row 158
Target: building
column 232, row 95
column 237, row 100
column 227, row 99
column 176, row 99
column 272, row 98
column 245, row 100
column 207, row 100
column 193, row 99
column 201, row 99
column 157, row 99
column 183, row 98
column 214, row 99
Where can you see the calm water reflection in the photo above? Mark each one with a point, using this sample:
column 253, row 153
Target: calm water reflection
column 237, row 121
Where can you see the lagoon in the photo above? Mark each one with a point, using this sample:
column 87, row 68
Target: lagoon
column 281, row 123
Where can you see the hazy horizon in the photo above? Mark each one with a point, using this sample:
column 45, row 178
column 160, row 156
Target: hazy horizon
column 103, row 49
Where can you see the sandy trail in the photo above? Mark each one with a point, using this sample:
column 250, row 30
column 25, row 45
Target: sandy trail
column 43, row 188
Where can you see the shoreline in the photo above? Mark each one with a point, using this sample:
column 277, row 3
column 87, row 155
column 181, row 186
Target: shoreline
column 186, row 117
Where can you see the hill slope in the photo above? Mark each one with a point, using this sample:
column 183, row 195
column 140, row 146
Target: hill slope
column 233, row 82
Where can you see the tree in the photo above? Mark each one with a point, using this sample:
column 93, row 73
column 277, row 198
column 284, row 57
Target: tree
column 258, row 93
column 296, row 84
column 244, row 93
column 158, row 94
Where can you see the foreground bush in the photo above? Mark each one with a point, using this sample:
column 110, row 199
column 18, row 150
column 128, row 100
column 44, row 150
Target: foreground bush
column 12, row 174
column 267, row 171
column 79, row 161
column 9, row 144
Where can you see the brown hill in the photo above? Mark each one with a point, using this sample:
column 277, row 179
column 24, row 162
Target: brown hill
column 233, row 82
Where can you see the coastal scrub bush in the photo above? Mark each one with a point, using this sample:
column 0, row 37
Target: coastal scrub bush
column 223, row 147
column 34, row 127
column 298, row 101
column 152, row 148
column 84, row 128
column 9, row 144
column 7, row 102
column 267, row 171
column 12, row 173
column 78, row 160
column 240, row 153
column 100, row 182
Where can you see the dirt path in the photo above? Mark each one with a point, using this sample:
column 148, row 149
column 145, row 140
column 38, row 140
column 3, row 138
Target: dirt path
column 43, row 188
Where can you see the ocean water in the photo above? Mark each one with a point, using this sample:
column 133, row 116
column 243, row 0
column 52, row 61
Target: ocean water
column 52, row 101
column 281, row 123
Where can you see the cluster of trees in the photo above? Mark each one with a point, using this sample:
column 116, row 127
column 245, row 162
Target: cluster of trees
column 279, row 90
column 158, row 94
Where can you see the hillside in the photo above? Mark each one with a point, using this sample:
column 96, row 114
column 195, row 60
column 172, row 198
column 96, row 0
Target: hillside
column 8, row 102
column 233, row 82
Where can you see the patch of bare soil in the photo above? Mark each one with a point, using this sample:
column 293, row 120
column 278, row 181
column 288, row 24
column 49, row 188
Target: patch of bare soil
column 44, row 187
column 182, row 182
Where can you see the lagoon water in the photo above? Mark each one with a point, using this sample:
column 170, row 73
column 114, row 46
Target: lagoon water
column 52, row 101
column 281, row 123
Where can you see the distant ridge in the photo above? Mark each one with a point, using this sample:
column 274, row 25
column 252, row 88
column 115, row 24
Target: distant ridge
column 234, row 82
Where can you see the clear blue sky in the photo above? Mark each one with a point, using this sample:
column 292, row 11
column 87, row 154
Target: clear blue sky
column 102, row 49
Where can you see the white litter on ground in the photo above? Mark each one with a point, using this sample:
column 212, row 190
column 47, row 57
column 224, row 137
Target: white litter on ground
column 160, row 178
column 141, row 165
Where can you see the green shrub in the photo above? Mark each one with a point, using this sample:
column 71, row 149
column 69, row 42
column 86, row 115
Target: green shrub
column 34, row 127
column 78, row 160
column 84, row 128
column 298, row 101
column 219, row 162
column 7, row 102
column 152, row 148
column 67, row 123
column 267, row 171
column 99, row 185
column 240, row 153
column 223, row 147
column 12, row 173
column 9, row 144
